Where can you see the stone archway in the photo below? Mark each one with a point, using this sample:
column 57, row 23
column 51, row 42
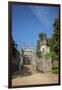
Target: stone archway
column 26, row 60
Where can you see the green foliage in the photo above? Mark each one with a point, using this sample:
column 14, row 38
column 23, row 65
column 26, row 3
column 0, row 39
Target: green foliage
column 54, row 45
column 57, row 25
column 57, row 34
column 16, row 57
column 55, row 69
column 15, row 52
column 54, row 41
column 42, row 36
column 47, row 56
column 53, row 55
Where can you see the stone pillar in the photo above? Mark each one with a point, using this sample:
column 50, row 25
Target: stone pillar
column 20, row 63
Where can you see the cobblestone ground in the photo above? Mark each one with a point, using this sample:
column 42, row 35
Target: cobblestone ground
column 28, row 77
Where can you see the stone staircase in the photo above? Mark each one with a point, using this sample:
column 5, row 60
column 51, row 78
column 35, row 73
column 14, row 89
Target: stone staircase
column 31, row 68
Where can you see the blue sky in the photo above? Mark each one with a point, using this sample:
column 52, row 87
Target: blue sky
column 28, row 21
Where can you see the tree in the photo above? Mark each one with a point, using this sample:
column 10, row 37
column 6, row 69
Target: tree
column 54, row 41
column 42, row 36
column 57, row 35
column 15, row 57
column 15, row 52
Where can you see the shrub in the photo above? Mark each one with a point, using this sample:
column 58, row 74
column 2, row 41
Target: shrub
column 54, row 68
column 47, row 56
column 53, row 55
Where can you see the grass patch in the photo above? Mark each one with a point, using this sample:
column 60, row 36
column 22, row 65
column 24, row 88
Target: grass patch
column 55, row 71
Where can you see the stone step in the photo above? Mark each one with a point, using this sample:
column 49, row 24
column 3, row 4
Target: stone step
column 32, row 68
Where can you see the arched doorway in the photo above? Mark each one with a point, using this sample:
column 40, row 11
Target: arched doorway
column 26, row 60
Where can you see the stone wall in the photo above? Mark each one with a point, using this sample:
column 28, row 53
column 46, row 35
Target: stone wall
column 39, row 64
column 43, row 65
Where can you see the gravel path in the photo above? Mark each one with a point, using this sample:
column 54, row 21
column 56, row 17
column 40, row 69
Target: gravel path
column 36, row 78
